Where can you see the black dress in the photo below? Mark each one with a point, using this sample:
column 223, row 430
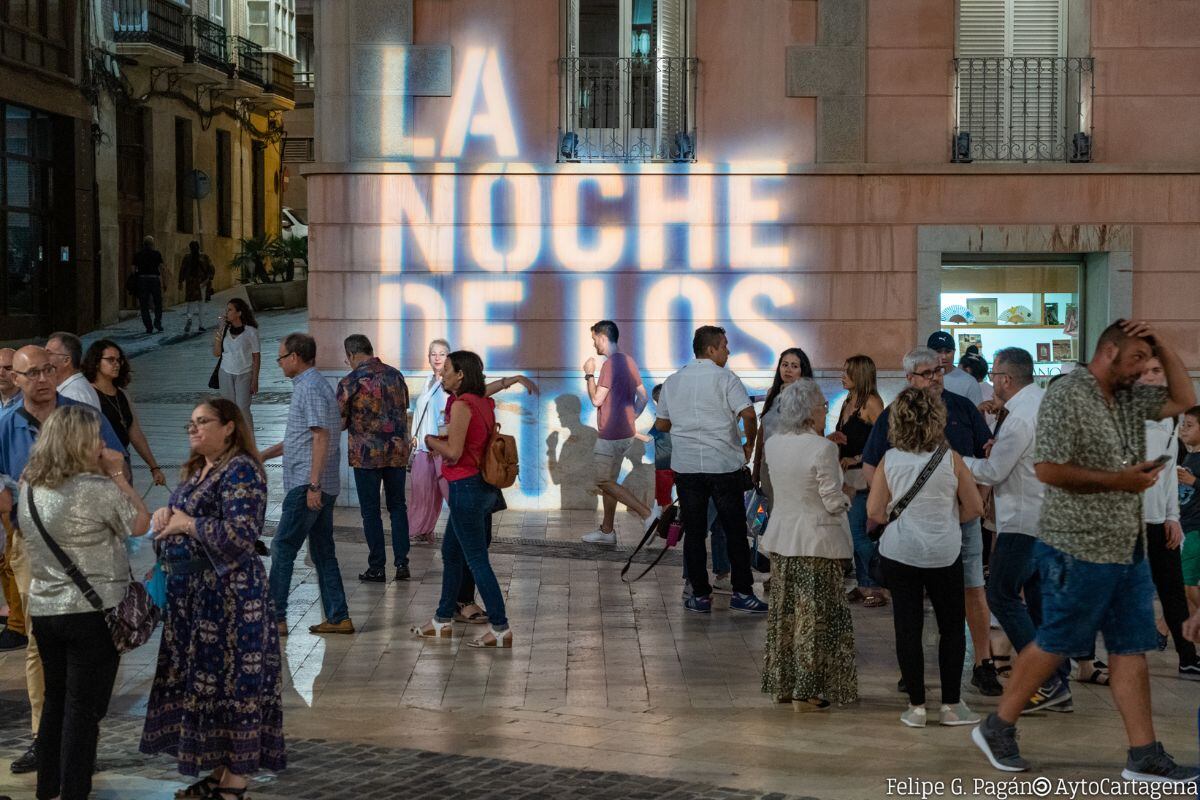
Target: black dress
column 856, row 430
column 119, row 413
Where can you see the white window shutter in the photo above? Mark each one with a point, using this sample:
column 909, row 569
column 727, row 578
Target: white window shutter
column 671, row 85
column 1012, row 103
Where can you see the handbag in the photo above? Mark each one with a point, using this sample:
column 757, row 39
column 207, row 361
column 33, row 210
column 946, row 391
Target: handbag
column 876, row 533
column 758, row 515
column 412, row 451
column 131, row 622
column 668, row 527
column 214, row 380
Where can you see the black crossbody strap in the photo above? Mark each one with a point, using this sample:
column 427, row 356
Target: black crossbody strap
column 65, row 560
column 922, row 479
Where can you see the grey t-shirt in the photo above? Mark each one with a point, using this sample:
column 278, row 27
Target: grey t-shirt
column 963, row 383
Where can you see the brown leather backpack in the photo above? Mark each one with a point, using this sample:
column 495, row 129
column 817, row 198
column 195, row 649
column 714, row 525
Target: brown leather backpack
column 500, row 466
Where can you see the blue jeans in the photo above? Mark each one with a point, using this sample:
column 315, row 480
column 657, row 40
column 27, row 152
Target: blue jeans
column 864, row 548
column 470, row 502
column 367, row 482
column 1013, row 571
column 298, row 522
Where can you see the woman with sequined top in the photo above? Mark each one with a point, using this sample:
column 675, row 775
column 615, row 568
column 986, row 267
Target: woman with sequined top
column 74, row 491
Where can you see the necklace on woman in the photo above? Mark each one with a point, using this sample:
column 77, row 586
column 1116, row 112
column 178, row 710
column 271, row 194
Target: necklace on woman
column 115, row 402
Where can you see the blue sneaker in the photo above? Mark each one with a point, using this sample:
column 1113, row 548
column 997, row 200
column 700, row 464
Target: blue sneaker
column 700, row 605
column 747, row 604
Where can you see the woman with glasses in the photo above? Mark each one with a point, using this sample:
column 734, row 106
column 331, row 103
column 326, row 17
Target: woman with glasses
column 74, row 493
column 236, row 343
column 861, row 408
column 809, row 657
column 107, row 369
column 215, row 704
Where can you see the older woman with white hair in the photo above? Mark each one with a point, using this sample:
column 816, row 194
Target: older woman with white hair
column 809, row 656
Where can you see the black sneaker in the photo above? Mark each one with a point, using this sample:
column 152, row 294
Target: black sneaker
column 998, row 742
column 11, row 640
column 402, row 573
column 1062, row 708
column 28, row 762
column 1190, row 672
column 1155, row 765
column 986, row 680
column 1051, row 694
column 1163, row 641
column 373, row 576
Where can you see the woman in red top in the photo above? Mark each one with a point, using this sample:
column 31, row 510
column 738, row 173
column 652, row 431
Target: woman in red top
column 472, row 419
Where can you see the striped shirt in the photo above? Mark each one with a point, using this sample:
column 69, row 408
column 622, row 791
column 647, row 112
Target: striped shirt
column 314, row 405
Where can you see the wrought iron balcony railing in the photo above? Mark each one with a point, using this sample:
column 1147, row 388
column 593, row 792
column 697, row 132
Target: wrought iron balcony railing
column 305, row 80
column 627, row 109
column 1023, row 109
column 209, row 44
column 159, row 22
column 249, row 60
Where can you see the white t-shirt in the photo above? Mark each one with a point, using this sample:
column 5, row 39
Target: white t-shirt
column 77, row 387
column 962, row 382
column 237, row 351
column 927, row 534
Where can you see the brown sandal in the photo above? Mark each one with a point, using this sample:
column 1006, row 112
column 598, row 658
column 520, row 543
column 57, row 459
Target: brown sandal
column 200, row 789
column 874, row 601
column 476, row 617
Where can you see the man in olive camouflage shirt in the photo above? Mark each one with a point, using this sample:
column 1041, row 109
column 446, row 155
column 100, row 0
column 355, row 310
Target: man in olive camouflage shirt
column 1095, row 577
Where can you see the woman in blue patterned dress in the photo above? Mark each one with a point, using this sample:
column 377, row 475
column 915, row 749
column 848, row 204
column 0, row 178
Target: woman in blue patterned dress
column 215, row 704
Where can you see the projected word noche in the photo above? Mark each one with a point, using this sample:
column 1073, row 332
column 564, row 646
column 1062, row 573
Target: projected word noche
column 469, row 252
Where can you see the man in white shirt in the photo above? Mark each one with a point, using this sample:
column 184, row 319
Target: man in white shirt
column 66, row 354
column 701, row 405
column 1009, row 470
column 10, row 393
column 955, row 380
column 1164, row 534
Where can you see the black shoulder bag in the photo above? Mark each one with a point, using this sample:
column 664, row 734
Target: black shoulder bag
column 876, row 533
column 132, row 621
column 660, row 527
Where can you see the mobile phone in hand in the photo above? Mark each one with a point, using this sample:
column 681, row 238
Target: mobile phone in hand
column 1158, row 462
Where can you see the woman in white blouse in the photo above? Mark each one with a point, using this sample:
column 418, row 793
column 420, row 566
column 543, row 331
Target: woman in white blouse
column 810, row 636
column 920, row 552
column 425, row 469
column 236, row 344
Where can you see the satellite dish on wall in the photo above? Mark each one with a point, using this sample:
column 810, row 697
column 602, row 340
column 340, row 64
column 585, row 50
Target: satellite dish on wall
column 198, row 184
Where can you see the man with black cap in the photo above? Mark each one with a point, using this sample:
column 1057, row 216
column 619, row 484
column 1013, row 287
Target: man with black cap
column 955, row 380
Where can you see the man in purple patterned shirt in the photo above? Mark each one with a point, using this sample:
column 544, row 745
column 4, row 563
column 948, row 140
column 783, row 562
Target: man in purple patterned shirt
column 374, row 403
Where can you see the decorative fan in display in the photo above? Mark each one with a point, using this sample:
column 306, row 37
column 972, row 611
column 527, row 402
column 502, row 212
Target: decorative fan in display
column 1017, row 315
column 957, row 314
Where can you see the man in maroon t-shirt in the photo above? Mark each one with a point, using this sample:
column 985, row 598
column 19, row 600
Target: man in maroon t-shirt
column 620, row 396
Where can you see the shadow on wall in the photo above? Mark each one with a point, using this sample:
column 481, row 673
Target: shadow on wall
column 640, row 479
column 570, row 462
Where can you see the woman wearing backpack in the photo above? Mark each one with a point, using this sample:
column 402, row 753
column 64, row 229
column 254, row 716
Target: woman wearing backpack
column 472, row 418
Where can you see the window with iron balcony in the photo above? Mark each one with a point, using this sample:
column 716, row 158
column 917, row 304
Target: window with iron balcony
column 1018, row 95
column 627, row 82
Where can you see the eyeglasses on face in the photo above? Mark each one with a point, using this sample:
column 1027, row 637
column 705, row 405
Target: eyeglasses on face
column 53, row 354
column 279, row 359
column 113, row 359
column 193, row 425
column 931, row 373
column 35, row 374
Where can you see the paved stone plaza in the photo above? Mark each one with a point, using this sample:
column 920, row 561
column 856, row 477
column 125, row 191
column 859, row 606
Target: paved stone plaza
column 610, row 691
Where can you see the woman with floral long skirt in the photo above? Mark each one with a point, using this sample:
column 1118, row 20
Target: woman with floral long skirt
column 215, row 704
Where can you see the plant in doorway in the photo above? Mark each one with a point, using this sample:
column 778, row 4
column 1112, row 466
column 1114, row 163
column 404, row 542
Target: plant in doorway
column 251, row 260
column 287, row 251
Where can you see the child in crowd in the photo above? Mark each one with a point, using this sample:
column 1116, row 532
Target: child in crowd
column 1189, row 502
column 664, row 479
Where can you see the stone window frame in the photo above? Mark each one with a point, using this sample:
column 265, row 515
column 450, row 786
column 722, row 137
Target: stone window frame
column 1106, row 252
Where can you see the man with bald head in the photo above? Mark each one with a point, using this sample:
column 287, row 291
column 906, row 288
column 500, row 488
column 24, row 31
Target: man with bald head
column 36, row 377
column 10, row 395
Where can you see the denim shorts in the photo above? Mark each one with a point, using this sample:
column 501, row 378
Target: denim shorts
column 1081, row 598
column 972, row 554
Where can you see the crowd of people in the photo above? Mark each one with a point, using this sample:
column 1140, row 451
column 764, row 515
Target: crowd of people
column 1055, row 514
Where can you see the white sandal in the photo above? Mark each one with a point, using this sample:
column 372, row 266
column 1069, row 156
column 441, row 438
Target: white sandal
column 440, row 630
column 500, row 640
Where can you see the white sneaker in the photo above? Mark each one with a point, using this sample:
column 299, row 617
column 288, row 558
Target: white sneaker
column 600, row 537
column 914, row 717
column 655, row 513
column 958, row 714
column 722, row 585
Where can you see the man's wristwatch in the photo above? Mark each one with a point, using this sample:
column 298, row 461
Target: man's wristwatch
column 589, row 375
column 314, row 487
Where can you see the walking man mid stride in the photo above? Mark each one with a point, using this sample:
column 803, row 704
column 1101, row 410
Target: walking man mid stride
column 1089, row 451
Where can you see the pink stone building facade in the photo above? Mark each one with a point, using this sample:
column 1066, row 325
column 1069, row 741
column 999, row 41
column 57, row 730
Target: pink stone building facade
column 504, row 173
